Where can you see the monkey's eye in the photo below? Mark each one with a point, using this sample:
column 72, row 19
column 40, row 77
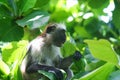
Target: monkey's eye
column 51, row 29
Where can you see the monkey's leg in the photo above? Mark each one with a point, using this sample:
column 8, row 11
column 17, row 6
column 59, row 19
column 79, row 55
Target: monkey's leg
column 35, row 67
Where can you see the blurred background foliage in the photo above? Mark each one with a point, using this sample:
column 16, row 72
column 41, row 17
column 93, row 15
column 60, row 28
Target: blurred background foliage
column 93, row 28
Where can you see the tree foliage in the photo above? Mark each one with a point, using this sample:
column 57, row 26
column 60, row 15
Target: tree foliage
column 93, row 28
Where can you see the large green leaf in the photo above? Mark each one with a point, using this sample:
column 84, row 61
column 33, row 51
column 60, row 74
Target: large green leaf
column 92, row 25
column 67, row 49
column 5, row 4
column 34, row 20
column 59, row 15
column 103, row 50
column 116, row 14
column 13, row 5
column 82, row 32
column 4, row 68
column 13, row 52
column 97, row 6
column 97, row 3
column 9, row 31
column 26, row 5
column 100, row 73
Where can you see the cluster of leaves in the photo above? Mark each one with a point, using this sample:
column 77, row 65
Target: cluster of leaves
column 88, row 31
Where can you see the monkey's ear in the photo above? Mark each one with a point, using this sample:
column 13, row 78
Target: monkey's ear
column 50, row 29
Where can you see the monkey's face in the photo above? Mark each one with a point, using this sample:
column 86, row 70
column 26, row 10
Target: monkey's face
column 59, row 37
column 57, row 32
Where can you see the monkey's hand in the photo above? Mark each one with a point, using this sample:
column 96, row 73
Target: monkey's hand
column 56, row 72
column 77, row 55
column 35, row 67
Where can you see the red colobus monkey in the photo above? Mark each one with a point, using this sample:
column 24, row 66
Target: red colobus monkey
column 44, row 54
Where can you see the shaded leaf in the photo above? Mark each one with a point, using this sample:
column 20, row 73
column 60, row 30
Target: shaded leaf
column 41, row 3
column 116, row 14
column 9, row 31
column 26, row 5
column 5, row 4
column 34, row 20
column 97, row 3
column 115, row 75
column 91, row 25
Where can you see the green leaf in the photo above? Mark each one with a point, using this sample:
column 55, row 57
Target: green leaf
column 100, row 73
column 34, row 20
column 13, row 52
column 98, row 6
column 12, row 3
column 68, row 49
column 41, row 3
column 26, row 5
column 92, row 25
column 116, row 15
column 97, row 3
column 82, row 32
column 49, row 75
column 4, row 68
column 63, row 15
column 103, row 50
column 5, row 3
column 115, row 75
column 9, row 31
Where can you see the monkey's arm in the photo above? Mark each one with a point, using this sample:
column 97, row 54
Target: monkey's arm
column 35, row 67
column 66, row 62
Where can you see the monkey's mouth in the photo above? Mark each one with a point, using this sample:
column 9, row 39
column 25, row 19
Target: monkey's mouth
column 60, row 43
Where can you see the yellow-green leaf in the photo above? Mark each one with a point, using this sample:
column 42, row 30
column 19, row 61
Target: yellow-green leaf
column 103, row 50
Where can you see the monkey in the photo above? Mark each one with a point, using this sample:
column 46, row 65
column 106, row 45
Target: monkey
column 43, row 53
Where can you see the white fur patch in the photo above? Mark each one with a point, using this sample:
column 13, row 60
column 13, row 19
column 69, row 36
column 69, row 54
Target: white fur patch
column 61, row 26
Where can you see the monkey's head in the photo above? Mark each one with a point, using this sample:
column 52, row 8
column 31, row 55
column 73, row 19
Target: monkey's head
column 56, row 34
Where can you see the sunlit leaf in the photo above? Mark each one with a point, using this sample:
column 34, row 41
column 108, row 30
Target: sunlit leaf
column 82, row 32
column 67, row 49
column 14, row 51
column 100, row 73
column 34, row 20
column 63, row 15
column 102, row 50
column 4, row 68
